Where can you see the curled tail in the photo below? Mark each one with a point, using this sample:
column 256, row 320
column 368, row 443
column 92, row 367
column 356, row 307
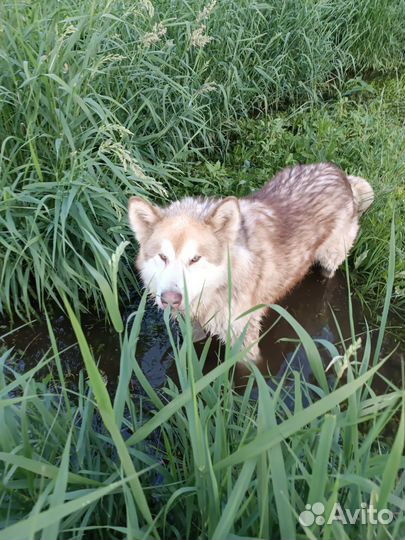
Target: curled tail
column 362, row 192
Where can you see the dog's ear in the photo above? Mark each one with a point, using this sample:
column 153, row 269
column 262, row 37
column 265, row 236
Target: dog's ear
column 225, row 219
column 142, row 217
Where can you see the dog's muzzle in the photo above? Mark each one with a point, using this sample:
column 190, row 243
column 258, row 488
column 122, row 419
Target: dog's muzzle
column 171, row 298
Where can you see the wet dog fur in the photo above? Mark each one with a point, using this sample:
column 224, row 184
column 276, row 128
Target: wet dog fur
column 306, row 215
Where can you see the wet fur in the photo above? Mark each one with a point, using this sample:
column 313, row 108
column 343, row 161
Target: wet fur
column 307, row 214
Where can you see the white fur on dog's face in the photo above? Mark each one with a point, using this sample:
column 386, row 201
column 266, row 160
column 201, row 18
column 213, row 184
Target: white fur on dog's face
column 178, row 272
column 181, row 251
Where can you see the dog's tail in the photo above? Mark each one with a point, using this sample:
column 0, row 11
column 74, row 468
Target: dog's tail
column 362, row 192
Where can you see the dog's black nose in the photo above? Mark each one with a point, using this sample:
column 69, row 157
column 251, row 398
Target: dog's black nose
column 171, row 298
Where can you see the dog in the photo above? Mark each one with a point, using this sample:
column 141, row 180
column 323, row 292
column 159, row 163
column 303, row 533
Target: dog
column 306, row 215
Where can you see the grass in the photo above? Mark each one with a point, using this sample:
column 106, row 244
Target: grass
column 200, row 461
column 101, row 100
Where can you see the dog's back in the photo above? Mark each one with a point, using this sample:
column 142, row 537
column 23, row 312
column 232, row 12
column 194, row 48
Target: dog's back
column 312, row 185
column 315, row 211
column 308, row 191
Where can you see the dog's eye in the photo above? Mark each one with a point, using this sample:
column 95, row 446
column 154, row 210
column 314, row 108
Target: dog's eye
column 195, row 259
column 163, row 257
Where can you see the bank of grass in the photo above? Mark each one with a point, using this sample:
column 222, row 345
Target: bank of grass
column 100, row 100
column 201, row 461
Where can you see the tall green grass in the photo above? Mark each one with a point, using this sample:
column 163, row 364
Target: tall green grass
column 93, row 108
column 201, row 461
column 99, row 100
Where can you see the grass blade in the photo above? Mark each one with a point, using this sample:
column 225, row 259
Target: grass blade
column 107, row 414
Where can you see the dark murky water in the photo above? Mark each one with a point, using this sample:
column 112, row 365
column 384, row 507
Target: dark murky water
column 312, row 303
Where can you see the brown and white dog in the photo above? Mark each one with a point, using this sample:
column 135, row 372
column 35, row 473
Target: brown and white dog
column 305, row 215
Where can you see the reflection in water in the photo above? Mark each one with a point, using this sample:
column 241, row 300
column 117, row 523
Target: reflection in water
column 315, row 304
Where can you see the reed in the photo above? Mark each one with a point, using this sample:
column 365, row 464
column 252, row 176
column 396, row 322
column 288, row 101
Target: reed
column 201, row 461
column 100, row 100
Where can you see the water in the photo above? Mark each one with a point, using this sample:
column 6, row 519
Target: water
column 314, row 303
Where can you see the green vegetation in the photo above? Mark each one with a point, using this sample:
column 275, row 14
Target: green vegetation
column 100, row 100
column 204, row 462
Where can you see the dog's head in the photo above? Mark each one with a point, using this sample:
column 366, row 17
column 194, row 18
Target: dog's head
column 180, row 249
